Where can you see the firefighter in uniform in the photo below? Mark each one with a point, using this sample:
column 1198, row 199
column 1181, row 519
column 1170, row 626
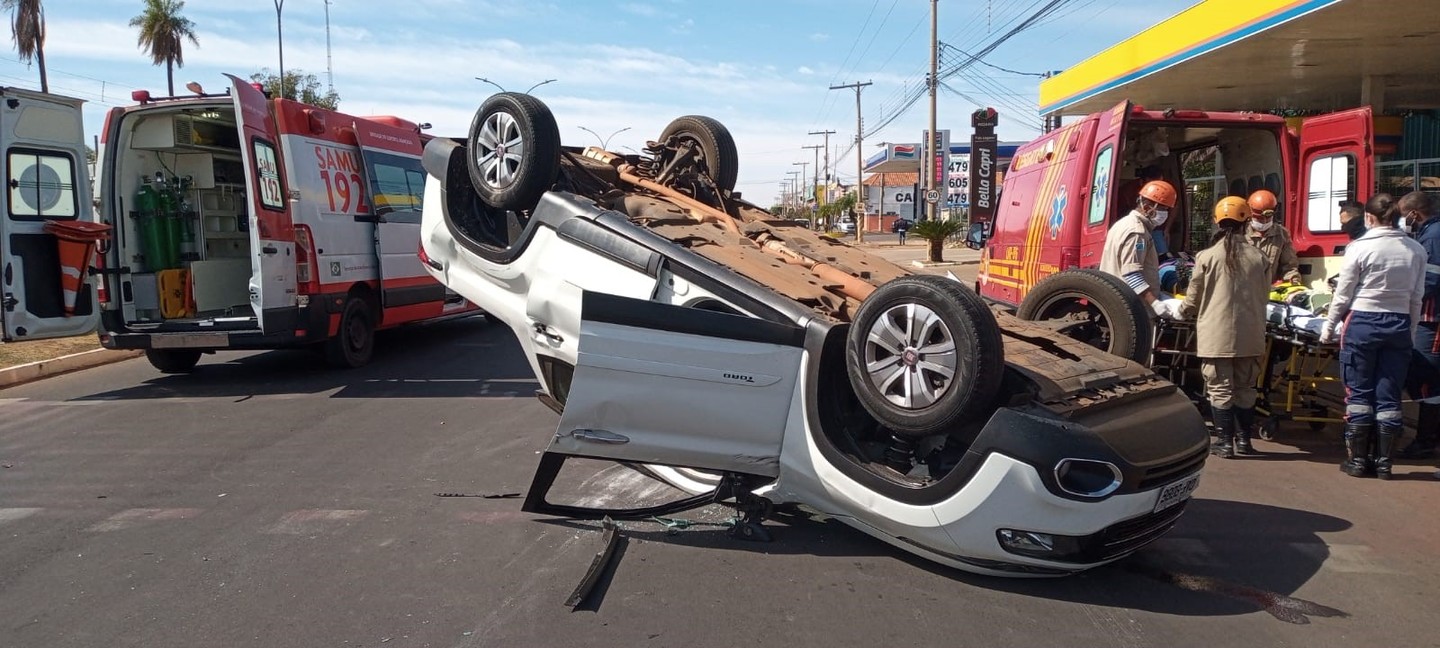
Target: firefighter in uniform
column 1273, row 241
column 1378, row 297
column 1227, row 295
column 1130, row 248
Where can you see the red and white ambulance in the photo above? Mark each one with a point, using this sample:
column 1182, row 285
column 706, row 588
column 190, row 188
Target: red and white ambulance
column 244, row 222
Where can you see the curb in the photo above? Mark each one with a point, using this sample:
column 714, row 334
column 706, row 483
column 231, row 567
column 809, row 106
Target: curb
column 20, row 374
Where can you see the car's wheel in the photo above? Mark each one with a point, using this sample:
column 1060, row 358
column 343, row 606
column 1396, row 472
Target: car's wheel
column 514, row 151
column 1096, row 308
column 172, row 362
column 717, row 147
column 924, row 352
column 354, row 343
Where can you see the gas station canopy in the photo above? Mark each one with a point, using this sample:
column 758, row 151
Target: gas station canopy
column 1264, row 55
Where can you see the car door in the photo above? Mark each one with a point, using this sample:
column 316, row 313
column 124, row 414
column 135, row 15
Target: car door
column 46, row 180
column 661, row 384
column 272, row 235
column 395, row 184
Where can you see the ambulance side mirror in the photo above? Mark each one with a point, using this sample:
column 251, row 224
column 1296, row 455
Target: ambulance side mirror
column 978, row 234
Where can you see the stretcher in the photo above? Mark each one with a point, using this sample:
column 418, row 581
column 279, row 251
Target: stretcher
column 1295, row 382
column 1305, row 389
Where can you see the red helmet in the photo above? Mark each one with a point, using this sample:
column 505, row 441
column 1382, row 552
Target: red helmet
column 1263, row 201
column 1159, row 191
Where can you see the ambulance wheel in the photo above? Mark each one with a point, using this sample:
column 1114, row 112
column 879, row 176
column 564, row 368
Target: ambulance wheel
column 514, row 151
column 924, row 352
column 173, row 362
column 354, row 343
column 717, row 147
column 1095, row 308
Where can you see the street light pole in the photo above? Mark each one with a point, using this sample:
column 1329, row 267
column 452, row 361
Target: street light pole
column 859, row 160
column 604, row 141
column 280, row 39
column 815, row 179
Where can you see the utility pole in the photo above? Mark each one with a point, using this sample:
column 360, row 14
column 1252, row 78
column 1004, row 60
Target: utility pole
column 930, row 207
column 814, row 181
column 859, row 160
column 791, row 181
column 329, row 64
column 803, row 166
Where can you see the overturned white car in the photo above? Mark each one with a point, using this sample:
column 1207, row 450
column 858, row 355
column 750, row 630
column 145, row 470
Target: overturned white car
column 753, row 362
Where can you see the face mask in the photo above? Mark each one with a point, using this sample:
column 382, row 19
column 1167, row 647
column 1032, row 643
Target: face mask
column 1160, row 217
column 1354, row 228
column 1404, row 224
column 1259, row 226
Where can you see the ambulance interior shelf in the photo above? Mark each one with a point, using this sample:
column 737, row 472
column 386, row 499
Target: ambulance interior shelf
column 190, row 245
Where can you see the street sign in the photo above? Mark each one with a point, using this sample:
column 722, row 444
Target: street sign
column 932, row 196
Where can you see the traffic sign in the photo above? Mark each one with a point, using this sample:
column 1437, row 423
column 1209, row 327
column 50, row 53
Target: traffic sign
column 932, row 196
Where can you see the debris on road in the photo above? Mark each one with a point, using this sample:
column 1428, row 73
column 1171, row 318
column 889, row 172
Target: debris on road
column 480, row 495
column 610, row 538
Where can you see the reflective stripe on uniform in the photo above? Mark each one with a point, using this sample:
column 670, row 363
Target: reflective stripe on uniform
column 1390, row 415
column 1358, row 409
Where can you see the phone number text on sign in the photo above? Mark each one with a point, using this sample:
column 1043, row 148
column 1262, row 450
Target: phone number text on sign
column 340, row 171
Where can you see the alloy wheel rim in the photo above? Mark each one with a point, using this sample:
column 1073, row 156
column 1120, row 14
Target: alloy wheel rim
column 910, row 356
column 500, row 150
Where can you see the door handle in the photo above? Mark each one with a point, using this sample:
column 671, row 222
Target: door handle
column 543, row 330
column 270, row 249
column 599, row 436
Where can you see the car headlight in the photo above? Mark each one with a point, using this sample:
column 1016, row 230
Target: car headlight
column 1087, row 477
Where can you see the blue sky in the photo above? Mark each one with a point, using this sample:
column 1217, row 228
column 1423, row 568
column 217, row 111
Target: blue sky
column 762, row 68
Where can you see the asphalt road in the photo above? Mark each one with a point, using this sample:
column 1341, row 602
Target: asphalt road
column 268, row 501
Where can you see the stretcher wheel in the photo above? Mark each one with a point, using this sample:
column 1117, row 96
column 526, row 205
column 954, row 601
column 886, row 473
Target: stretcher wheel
column 1268, row 428
column 924, row 352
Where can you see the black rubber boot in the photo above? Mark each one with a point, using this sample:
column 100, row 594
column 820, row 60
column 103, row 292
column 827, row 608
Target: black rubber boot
column 1357, row 449
column 1427, row 434
column 1244, row 427
column 1224, row 433
column 1385, row 448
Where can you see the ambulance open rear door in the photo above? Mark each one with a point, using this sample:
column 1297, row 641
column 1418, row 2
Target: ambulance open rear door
column 272, row 235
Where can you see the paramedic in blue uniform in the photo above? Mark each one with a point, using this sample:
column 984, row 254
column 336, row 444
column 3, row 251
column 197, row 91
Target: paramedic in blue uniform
column 1377, row 296
column 1418, row 211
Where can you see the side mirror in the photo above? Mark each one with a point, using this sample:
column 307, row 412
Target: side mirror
column 978, row 234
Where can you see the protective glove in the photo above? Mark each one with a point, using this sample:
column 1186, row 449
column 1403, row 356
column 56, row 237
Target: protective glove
column 1327, row 332
column 1162, row 309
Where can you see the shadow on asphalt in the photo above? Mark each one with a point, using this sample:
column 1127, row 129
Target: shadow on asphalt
column 467, row 357
column 1222, row 558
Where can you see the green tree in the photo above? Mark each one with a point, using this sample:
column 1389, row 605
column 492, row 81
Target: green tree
column 27, row 29
column 163, row 32
column 936, row 232
column 299, row 86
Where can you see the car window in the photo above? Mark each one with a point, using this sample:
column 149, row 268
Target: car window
column 42, row 185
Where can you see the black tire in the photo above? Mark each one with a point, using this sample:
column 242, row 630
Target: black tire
column 513, row 184
column 976, row 368
column 354, row 344
column 717, row 147
column 172, row 362
column 1108, row 314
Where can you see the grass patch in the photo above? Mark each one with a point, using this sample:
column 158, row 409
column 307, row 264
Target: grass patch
column 18, row 353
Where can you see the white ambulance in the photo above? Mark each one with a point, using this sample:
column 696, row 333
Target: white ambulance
column 244, row 222
column 43, row 137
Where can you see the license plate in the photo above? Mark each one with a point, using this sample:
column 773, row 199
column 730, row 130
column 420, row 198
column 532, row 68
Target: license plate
column 1177, row 492
column 189, row 340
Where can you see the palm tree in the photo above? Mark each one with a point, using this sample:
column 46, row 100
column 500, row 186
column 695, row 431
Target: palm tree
column 163, row 32
column 27, row 27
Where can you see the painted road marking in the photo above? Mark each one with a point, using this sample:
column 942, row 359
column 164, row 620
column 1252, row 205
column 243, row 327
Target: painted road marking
column 1344, row 558
column 12, row 514
column 308, row 521
column 137, row 516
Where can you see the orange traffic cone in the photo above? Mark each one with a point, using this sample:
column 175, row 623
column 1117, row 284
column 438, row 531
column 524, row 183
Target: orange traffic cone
column 77, row 240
